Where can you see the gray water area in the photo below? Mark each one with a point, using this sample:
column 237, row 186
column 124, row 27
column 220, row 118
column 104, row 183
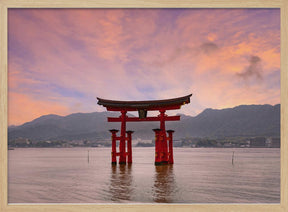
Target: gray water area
column 199, row 175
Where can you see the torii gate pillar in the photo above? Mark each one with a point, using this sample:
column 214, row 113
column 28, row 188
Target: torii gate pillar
column 122, row 146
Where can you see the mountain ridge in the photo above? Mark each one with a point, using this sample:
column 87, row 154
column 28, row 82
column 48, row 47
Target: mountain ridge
column 242, row 120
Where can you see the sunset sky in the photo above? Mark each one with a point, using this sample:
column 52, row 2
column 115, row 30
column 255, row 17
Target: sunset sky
column 60, row 60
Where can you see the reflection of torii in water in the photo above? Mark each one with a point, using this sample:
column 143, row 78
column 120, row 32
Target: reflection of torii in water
column 121, row 187
column 162, row 155
column 164, row 184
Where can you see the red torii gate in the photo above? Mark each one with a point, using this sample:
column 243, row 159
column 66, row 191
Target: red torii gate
column 162, row 155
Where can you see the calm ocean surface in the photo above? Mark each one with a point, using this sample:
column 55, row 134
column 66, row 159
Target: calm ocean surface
column 199, row 175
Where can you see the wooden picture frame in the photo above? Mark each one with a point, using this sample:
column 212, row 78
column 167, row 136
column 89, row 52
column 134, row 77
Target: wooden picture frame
column 282, row 4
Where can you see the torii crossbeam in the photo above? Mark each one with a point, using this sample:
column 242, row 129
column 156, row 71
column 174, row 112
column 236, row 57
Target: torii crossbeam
column 162, row 154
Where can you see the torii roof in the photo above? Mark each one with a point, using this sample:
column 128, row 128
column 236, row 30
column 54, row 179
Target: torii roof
column 166, row 104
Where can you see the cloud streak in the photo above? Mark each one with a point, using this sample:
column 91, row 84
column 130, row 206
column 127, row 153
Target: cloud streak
column 207, row 48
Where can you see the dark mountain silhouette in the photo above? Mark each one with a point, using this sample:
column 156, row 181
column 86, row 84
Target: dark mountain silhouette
column 244, row 120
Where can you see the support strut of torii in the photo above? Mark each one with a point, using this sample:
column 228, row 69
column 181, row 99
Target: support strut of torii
column 163, row 151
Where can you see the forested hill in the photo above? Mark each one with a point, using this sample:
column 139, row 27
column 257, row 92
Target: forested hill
column 244, row 120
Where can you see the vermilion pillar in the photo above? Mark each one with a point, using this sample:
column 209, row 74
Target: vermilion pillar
column 158, row 160
column 170, row 138
column 163, row 138
column 113, row 153
column 122, row 147
column 129, row 145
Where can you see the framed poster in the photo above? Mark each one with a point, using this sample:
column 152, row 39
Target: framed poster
column 57, row 57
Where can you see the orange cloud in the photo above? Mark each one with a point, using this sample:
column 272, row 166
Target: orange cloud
column 22, row 108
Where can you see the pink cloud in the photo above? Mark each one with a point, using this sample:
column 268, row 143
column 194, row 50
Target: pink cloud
column 23, row 108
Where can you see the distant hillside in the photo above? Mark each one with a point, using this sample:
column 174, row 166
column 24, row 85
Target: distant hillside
column 74, row 126
column 244, row 120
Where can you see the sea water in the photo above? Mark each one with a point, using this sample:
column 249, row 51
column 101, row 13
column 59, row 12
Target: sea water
column 199, row 175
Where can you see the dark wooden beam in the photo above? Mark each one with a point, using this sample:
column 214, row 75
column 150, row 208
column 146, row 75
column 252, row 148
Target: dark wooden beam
column 136, row 119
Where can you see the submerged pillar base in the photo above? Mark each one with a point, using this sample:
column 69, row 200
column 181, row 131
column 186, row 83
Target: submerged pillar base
column 163, row 163
column 158, row 163
column 122, row 162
